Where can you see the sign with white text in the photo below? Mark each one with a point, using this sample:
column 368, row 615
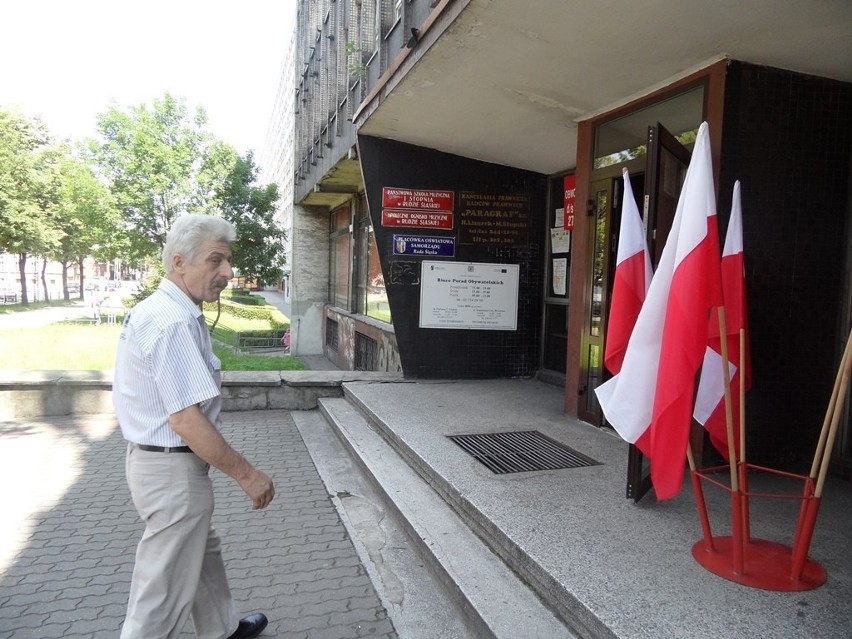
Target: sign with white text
column 417, row 199
column 469, row 295
column 419, row 219
column 424, row 245
column 569, row 186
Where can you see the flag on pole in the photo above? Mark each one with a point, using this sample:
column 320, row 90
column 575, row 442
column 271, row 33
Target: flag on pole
column 632, row 278
column 650, row 401
column 710, row 400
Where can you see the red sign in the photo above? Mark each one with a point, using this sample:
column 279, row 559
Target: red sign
column 419, row 200
column 420, row 219
column 569, row 186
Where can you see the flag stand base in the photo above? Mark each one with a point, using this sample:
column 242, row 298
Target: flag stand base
column 766, row 564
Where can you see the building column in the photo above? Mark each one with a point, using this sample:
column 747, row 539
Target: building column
column 308, row 280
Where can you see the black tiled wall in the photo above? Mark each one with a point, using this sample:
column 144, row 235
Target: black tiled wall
column 456, row 353
column 787, row 137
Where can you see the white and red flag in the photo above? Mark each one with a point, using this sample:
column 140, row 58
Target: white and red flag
column 632, row 278
column 650, row 401
column 710, row 400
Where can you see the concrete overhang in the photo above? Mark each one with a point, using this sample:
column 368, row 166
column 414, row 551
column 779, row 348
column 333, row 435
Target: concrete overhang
column 508, row 81
column 337, row 186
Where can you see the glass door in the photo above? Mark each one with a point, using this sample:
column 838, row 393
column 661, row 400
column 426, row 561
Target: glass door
column 558, row 266
column 595, row 299
column 665, row 170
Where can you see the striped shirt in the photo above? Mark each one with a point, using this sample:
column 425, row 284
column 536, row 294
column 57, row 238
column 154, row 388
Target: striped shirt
column 164, row 363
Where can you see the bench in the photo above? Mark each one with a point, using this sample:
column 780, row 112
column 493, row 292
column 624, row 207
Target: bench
column 9, row 298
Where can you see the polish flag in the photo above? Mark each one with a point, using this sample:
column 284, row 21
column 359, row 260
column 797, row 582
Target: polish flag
column 632, row 278
column 650, row 401
column 710, row 401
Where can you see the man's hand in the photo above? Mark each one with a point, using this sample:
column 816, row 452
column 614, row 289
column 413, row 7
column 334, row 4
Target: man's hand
column 206, row 442
column 258, row 487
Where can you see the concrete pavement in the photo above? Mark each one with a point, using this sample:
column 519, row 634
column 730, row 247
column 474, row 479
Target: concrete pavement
column 69, row 531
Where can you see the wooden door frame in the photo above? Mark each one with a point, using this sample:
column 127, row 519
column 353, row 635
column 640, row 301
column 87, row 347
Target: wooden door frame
column 713, row 79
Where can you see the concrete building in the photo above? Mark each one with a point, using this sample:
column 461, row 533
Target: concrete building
column 276, row 158
column 457, row 185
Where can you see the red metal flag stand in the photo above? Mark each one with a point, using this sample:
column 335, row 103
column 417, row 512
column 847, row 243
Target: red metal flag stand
column 757, row 562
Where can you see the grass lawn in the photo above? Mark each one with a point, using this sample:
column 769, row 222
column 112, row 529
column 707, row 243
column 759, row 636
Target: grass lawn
column 8, row 309
column 79, row 346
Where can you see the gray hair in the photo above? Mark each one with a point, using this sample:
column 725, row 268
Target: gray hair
column 190, row 231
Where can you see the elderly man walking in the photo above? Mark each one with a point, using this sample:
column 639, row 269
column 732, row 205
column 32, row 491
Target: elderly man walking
column 167, row 397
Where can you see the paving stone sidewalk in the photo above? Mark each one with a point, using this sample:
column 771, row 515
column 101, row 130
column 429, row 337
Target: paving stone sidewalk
column 69, row 531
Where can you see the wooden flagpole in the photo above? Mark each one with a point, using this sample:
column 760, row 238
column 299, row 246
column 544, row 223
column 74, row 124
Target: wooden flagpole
column 742, row 466
column 829, row 414
column 822, row 457
column 736, row 508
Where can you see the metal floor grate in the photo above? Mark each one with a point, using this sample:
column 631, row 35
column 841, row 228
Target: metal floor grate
column 521, row 451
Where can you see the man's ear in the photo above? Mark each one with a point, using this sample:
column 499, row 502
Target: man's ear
column 178, row 263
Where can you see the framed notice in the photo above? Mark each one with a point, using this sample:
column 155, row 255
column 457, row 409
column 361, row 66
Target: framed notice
column 469, row 295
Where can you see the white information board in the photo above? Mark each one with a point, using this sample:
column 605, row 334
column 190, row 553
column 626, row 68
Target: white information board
column 469, row 295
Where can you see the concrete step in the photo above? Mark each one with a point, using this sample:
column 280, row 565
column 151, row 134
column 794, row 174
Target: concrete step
column 417, row 604
column 495, row 602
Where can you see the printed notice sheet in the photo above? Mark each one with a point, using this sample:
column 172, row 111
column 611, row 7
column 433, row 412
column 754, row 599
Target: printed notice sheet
column 560, row 273
column 469, row 295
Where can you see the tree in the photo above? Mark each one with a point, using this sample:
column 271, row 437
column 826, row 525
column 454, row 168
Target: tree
column 161, row 164
column 87, row 216
column 28, row 190
column 259, row 249
column 152, row 159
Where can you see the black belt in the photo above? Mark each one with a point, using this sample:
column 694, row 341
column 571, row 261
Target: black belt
column 164, row 449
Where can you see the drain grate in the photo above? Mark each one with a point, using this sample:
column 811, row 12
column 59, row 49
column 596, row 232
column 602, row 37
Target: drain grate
column 521, row 451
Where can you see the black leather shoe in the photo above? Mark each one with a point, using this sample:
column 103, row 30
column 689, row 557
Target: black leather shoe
column 250, row 626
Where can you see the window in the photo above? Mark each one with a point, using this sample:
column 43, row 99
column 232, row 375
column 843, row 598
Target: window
column 624, row 138
column 339, row 258
column 331, row 333
column 372, row 295
column 377, row 296
column 365, row 353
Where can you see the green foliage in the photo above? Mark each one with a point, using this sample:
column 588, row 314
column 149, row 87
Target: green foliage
column 243, row 296
column 152, row 158
column 355, row 56
column 259, row 249
column 232, row 361
column 269, row 314
column 78, row 346
column 28, row 189
column 86, row 216
column 162, row 163
column 148, row 287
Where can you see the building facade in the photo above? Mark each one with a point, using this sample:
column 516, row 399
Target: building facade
column 457, row 186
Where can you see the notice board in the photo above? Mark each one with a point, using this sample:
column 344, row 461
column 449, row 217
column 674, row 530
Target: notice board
column 469, row 295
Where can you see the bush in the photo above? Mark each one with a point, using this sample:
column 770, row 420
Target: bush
column 276, row 318
column 243, row 296
column 148, row 287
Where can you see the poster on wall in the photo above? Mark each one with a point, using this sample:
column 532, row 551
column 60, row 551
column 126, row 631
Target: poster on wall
column 469, row 295
column 560, row 275
column 560, row 241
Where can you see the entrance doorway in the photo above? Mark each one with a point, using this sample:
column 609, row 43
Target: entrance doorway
column 557, row 266
column 606, row 199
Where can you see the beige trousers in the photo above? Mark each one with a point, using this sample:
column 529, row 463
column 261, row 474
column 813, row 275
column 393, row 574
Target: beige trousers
column 179, row 570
